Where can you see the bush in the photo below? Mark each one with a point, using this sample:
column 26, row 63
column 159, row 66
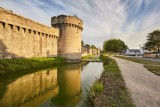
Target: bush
column 102, row 57
column 98, row 87
column 12, row 65
column 105, row 58
column 94, row 91
column 88, row 57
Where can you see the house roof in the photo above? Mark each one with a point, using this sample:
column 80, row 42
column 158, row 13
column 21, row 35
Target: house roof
column 133, row 50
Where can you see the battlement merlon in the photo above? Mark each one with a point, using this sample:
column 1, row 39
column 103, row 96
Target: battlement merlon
column 8, row 17
column 69, row 20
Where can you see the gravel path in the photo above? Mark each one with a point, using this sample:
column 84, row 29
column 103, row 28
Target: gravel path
column 143, row 85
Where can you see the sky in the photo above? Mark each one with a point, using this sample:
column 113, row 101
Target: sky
column 128, row 20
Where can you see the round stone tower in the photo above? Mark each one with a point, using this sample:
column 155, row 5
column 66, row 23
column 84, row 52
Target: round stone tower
column 69, row 41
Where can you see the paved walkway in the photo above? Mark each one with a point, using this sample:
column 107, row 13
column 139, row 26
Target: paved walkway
column 143, row 85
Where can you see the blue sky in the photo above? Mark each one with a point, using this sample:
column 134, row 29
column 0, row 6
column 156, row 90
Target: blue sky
column 128, row 20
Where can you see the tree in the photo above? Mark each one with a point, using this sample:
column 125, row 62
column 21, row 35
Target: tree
column 82, row 43
column 87, row 45
column 92, row 46
column 114, row 45
column 153, row 41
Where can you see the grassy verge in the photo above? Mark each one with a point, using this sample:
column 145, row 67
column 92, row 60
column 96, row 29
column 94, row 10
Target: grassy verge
column 90, row 58
column 14, row 65
column 151, row 66
column 113, row 93
column 94, row 91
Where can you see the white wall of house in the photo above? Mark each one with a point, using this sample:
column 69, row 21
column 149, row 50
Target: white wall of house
column 143, row 51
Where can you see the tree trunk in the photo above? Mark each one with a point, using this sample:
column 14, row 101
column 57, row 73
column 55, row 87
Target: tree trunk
column 158, row 48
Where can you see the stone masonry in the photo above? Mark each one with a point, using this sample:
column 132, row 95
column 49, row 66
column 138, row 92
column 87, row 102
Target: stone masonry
column 90, row 51
column 69, row 42
column 21, row 37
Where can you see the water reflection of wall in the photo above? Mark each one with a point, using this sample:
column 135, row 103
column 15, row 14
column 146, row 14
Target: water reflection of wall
column 31, row 90
column 69, row 81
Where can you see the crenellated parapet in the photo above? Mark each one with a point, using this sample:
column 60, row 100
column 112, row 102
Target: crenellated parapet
column 67, row 21
column 19, row 22
column 51, row 33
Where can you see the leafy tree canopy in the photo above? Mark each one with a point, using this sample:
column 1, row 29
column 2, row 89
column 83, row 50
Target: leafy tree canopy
column 114, row 45
column 92, row 46
column 82, row 43
column 87, row 45
column 153, row 41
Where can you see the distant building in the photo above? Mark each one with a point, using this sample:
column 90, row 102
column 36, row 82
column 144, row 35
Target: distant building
column 133, row 52
column 144, row 51
column 90, row 51
column 84, row 51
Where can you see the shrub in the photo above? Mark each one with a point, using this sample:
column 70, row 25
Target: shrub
column 94, row 91
column 12, row 65
column 98, row 87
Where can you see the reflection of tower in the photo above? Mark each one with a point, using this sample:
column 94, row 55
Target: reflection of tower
column 69, row 41
column 69, row 81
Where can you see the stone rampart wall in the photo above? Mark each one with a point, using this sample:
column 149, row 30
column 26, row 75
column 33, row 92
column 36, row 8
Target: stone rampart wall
column 22, row 37
column 84, row 51
column 90, row 51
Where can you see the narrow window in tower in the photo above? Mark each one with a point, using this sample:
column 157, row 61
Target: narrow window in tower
column 60, row 24
column 63, row 25
column 66, row 24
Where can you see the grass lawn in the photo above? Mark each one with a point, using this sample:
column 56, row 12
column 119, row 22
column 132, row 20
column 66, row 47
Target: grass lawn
column 151, row 66
column 90, row 58
column 114, row 92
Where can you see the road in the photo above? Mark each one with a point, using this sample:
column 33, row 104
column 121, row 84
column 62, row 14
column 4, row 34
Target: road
column 143, row 85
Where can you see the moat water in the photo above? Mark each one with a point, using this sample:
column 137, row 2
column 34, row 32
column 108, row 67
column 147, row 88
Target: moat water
column 61, row 86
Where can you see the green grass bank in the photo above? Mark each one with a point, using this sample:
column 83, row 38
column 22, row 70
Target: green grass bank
column 91, row 58
column 151, row 66
column 14, row 65
column 110, row 89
